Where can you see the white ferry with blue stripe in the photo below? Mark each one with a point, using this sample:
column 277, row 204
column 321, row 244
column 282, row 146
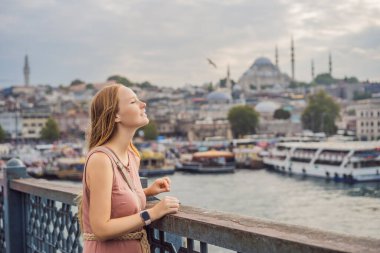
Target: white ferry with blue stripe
column 338, row 161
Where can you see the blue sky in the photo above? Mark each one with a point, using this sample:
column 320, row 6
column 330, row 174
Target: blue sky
column 167, row 42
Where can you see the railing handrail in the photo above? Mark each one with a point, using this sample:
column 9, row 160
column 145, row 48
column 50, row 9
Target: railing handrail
column 244, row 233
column 47, row 189
column 237, row 232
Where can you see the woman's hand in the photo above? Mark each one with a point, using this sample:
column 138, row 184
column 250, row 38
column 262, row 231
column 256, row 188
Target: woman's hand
column 167, row 205
column 159, row 185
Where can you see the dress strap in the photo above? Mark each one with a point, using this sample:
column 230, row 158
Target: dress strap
column 122, row 168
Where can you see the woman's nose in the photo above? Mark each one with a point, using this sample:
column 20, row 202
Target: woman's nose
column 143, row 104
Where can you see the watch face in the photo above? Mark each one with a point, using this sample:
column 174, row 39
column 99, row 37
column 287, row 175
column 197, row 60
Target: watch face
column 145, row 215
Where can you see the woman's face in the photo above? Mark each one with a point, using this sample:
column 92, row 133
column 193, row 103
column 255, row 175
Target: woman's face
column 131, row 110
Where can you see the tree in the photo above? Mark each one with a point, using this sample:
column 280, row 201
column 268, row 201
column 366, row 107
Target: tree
column 145, row 85
column 295, row 84
column 223, row 82
column 243, row 120
column 351, row 79
column 76, row 82
column 320, row 113
column 90, row 86
column 120, row 79
column 2, row 134
column 325, row 79
column 281, row 114
column 150, row 131
column 358, row 95
column 51, row 131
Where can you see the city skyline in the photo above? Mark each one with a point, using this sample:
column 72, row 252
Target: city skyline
column 168, row 43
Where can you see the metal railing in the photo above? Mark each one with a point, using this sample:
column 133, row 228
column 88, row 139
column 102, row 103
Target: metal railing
column 40, row 216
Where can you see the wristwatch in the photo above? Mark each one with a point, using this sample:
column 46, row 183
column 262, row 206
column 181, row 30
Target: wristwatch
column 145, row 217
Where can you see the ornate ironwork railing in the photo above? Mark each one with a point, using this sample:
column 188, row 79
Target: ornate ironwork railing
column 40, row 216
column 2, row 230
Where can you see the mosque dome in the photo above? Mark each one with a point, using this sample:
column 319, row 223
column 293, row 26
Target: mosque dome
column 267, row 107
column 262, row 61
column 218, row 96
column 263, row 76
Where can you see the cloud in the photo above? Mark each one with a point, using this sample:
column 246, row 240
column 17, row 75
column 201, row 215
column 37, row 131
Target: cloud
column 166, row 42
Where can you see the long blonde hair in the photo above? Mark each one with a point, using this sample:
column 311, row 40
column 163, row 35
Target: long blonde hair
column 103, row 110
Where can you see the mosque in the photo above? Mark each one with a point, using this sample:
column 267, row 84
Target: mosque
column 263, row 76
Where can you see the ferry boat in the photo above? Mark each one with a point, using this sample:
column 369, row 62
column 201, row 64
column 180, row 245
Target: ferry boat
column 155, row 164
column 339, row 161
column 247, row 154
column 212, row 161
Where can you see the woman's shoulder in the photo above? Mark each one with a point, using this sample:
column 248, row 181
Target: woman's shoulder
column 97, row 158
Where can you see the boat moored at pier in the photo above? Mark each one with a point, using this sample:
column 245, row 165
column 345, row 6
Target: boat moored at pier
column 248, row 154
column 339, row 161
column 212, row 161
column 155, row 164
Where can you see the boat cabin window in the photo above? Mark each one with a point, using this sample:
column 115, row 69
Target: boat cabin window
column 303, row 155
column 369, row 164
column 331, row 157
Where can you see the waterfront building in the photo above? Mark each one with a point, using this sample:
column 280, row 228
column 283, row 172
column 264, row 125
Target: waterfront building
column 372, row 88
column 269, row 125
column 209, row 128
column 32, row 124
column 263, row 76
column 11, row 122
column 368, row 119
column 72, row 123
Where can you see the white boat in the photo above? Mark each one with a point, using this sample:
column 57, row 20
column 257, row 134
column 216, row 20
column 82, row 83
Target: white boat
column 339, row 161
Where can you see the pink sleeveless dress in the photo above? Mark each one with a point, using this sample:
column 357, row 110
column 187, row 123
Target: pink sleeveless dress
column 124, row 202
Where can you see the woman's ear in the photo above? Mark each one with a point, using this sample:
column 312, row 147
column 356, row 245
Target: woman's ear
column 117, row 119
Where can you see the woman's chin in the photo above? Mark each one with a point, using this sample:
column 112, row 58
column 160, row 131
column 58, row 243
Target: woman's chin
column 146, row 122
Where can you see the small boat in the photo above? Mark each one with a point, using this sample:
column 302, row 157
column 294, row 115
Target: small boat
column 248, row 154
column 211, row 161
column 70, row 168
column 155, row 164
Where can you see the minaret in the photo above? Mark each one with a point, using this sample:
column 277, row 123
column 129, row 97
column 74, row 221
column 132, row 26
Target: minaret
column 292, row 57
column 330, row 64
column 26, row 71
column 228, row 81
column 312, row 69
column 276, row 56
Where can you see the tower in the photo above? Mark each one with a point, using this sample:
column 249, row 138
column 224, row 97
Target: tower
column 292, row 57
column 26, row 71
column 228, row 80
column 312, row 69
column 330, row 64
column 276, row 56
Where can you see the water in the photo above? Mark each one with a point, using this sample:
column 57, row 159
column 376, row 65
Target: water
column 348, row 209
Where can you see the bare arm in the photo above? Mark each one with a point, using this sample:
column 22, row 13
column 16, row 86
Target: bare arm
column 99, row 177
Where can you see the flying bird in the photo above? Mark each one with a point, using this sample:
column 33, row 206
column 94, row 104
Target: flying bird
column 212, row 63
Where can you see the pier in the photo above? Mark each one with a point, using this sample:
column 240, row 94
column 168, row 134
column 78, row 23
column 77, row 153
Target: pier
column 40, row 216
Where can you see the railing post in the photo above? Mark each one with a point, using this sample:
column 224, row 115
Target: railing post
column 171, row 238
column 14, row 215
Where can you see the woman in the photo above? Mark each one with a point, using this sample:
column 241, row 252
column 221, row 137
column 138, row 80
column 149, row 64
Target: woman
column 113, row 199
